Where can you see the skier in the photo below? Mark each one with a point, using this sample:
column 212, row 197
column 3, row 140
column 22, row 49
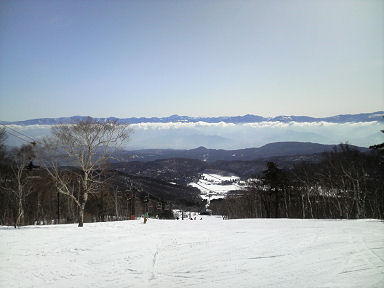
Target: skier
column 145, row 217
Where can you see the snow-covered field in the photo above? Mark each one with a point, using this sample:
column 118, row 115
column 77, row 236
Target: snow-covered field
column 214, row 186
column 204, row 253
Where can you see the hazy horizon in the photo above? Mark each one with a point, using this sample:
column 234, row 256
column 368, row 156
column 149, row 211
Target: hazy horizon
column 208, row 116
column 221, row 135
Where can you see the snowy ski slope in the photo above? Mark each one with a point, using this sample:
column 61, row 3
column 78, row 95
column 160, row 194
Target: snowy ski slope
column 214, row 186
column 195, row 253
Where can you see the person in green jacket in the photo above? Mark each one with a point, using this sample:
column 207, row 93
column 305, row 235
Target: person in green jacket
column 145, row 217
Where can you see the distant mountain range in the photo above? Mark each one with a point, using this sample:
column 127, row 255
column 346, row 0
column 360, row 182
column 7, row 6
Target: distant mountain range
column 211, row 155
column 182, row 132
column 345, row 118
column 185, row 166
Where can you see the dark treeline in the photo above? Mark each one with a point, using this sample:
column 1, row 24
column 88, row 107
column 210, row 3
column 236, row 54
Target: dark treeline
column 30, row 194
column 38, row 201
column 345, row 184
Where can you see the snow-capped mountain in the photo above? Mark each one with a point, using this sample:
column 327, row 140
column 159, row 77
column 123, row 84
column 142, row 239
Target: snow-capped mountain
column 344, row 118
column 183, row 132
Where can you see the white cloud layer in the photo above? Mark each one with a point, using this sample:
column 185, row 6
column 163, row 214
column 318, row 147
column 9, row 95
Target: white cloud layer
column 187, row 135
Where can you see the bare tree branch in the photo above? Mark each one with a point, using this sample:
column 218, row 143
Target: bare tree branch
column 88, row 145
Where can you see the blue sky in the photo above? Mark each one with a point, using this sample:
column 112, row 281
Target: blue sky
column 196, row 58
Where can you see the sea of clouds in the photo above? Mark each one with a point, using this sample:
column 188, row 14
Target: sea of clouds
column 179, row 135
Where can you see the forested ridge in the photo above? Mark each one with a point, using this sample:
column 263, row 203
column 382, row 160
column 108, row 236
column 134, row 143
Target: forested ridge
column 345, row 184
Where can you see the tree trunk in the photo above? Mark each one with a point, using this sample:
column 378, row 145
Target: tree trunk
column 81, row 216
column 339, row 207
column 277, row 204
column 286, row 203
column 302, row 205
column 82, row 208
column 310, row 204
column 20, row 213
column 116, row 205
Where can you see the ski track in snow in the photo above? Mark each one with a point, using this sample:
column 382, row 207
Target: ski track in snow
column 211, row 252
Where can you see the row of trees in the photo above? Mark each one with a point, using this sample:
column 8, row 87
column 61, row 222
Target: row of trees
column 345, row 184
column 30, row 193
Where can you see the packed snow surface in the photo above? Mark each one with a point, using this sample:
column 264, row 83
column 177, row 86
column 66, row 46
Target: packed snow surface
column 195, row 253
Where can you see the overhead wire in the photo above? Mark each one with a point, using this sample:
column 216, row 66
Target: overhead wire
column 151, row 196
column 23, row 134
column 18, row 137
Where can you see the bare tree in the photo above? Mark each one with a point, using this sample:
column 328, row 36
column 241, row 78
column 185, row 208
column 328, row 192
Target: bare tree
column 17, row 185
column 4, row 171
column 88, row 145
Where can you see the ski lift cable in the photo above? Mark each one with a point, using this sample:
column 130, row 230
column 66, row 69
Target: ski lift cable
column 152, row 196
column 30, row 166
column 23, row 134
column 18, row 137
